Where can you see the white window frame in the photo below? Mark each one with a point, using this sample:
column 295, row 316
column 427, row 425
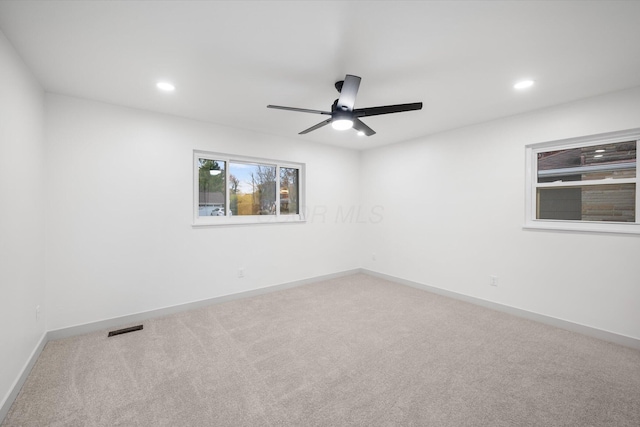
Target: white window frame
column 531, row 167
column 199, row 221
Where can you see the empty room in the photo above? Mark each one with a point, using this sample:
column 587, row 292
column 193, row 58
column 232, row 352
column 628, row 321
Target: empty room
column 319, row 213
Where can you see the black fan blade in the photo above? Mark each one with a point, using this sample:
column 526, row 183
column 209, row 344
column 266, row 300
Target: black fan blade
column 301, row 110
column 318, row 126
column 361, row 127
column 387, row 109
column 348, row 93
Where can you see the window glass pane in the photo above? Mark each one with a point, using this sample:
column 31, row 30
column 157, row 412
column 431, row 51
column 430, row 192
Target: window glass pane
column 289, row 191
column 612, row 202
column 211, row 187
column 252, row 189
column 609, row 161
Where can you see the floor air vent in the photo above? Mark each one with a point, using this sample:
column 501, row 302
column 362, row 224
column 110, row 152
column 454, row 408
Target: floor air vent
column 125, row 330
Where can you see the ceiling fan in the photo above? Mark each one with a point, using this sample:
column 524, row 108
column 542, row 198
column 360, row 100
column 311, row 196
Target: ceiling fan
column 344, row 116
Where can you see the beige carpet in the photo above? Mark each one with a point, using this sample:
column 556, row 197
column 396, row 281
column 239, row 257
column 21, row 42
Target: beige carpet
column 351, row 351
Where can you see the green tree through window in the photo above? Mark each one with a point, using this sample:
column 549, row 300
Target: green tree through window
column 211, row 186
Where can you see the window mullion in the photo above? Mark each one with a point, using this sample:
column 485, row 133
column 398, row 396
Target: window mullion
column 227, row 202
column 586, row 183
column 637, row 200
column 277, row 190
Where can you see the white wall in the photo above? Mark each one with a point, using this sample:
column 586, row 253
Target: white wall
column 120, row 240
column 22, row 215
column 454, row 210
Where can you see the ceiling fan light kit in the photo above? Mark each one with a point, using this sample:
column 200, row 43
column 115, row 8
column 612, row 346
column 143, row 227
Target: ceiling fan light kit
column 341, row 120
column 344, row 116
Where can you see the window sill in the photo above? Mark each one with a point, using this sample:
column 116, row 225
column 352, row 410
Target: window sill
column 587, row 227
column 247, row 219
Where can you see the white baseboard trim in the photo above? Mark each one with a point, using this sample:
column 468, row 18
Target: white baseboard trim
column 537, row 317
column 123, row 321
column 24, row 373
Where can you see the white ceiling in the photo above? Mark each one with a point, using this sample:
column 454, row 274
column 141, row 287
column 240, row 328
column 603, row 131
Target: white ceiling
column 229, row 60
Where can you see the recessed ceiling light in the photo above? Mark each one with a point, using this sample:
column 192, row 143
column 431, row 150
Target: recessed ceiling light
column 166, row 86
column 597, row 155
column 600, row 150
column 523, row 84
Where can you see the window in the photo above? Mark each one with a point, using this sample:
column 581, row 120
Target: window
column 240, row 190
column 585, row 184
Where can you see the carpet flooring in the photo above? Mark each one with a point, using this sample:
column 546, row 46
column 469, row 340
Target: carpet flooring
column 353, row 351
